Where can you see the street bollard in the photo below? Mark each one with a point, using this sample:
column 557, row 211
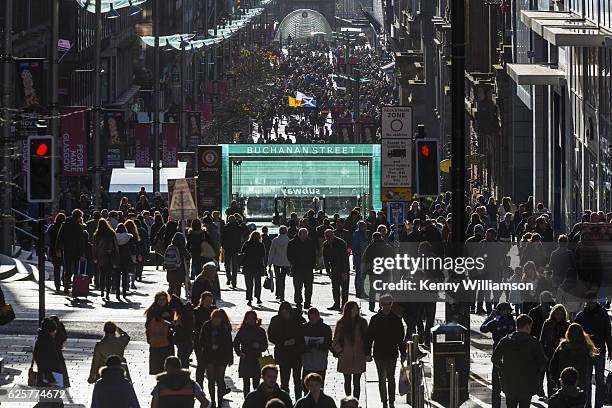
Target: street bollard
column 452, row 401
column 417, row 385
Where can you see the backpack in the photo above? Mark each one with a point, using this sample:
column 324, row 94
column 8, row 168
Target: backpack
column 158, row 333
column 172, row 258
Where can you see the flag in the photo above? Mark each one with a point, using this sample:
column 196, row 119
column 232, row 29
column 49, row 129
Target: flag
column 294, row 102
column 309, row 103
column 300, row 96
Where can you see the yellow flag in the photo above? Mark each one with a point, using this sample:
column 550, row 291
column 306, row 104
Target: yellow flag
column 294, row 102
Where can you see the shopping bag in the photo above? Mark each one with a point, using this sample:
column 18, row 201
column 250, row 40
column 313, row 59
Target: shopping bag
column 32, row 375
column 266, row 359
column 404, row 380
column 7, row 314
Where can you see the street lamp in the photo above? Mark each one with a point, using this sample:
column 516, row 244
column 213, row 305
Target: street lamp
column 112, row 13
column 133, row 10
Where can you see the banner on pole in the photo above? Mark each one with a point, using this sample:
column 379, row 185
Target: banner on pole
column 344, row 127
column 194, row 128
column 189, row 158
column 73, row 147
column 142, row 145
column 114, row 137
column 182, row 199
column 170, row 145
column 30, row 83
column 367, row 130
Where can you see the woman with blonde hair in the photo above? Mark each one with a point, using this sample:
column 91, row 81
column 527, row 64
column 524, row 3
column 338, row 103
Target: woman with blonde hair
column 575, row 350
column 553, row 331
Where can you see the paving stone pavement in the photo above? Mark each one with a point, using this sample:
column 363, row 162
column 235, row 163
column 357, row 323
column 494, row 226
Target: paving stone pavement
column 84, row 324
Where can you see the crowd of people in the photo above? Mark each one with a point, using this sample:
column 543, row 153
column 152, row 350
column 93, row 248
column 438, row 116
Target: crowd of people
column 560, row 330
column 312, row 69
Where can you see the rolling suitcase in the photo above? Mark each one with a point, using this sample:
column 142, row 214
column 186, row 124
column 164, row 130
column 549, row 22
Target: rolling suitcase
column 80, row 282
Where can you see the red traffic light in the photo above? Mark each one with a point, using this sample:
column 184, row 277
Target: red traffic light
column 42, row 149
column 425, row 151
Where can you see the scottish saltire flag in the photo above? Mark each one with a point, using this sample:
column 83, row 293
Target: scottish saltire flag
column 300, row 96
column 309, row 103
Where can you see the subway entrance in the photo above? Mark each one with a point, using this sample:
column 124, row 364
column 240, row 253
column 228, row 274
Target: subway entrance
column 273, row 181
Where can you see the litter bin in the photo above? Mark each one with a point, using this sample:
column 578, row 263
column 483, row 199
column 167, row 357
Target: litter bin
column 450, row 348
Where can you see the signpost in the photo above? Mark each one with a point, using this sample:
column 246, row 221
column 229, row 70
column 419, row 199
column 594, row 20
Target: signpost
column 182, row 198
column 397, row 122
column 396, row 154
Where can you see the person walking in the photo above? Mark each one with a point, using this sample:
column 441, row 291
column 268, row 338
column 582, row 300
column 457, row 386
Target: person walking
column 553, row 331
column 215, row 350
column 113, row 389
column 499, row 323
column 277, row 258
column 386, row 336
column 204, row 282
column 182, row 329
column 596, row 323
column 176, row 259
column 52, row 233
column 138, row 252
column 302, row 254
column 284, row 332
column 127, row 254
column 201, row 314
column 175, row 388
column 47, row 359
column 359, row 242
column 348, row 346
column 113, row 343
column 105, row 254
column 249, row 344
column 520, row 359
column 569, row 395
column 253, row 266
column 316, row 342
column 336, row 258
column 70, row 245
column 158, row 333
column 315, row 397
column 195, row 237
column 576, row 349
column 267, row 391
column 231, row 241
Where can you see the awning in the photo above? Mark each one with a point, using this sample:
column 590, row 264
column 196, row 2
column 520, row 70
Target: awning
column 130, row 179
column 534, row 74
column 575, row 37
column 527, row 16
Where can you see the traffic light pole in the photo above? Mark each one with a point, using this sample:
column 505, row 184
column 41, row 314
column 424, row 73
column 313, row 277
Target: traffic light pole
column 55, row 111
column 7, row 143
column 156, row 169
column 96, row 110
column 40, row 252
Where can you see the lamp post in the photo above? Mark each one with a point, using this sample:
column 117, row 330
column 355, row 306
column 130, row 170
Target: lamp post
column 96, row 108
column 7, row 154
column 156, row 168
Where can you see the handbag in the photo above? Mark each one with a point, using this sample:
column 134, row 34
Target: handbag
column 7, row 314
column 266, row 359
column 267, row 283
column 32, row 375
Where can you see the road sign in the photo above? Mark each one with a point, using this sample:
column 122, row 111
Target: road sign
column 182, row 199
column 396, row 169
column 397, row 122
column 395, row 213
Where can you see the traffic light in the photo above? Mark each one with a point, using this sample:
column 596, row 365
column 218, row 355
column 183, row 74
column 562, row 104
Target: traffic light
column 41, row 169
column 428, row 167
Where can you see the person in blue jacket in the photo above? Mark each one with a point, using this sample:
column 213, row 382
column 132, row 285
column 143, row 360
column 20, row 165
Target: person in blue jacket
column 113, row 390
column 499, row 323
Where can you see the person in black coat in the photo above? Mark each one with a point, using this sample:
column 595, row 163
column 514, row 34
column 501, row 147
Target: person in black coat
column 336, row 259
column 215, row 350
column 302, row 254
column 284, row 332
column 315, row 397
column 569, row 395
column 70, row 245
column 561, row 260
column 52, row 233
column 46, row 355
column 204, row 282
column 231, row 240
column 386, row 335
column 61, row 336
column 520, row 359
column 267, row 390
column 201, row 314
column 113, row 390
column 253, row 266
column 250, row 342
